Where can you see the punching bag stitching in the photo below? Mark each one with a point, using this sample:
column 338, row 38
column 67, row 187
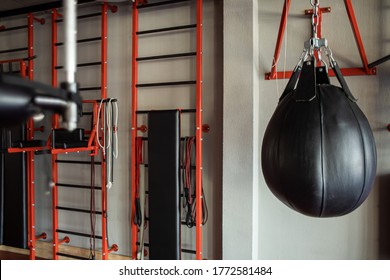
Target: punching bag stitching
column 364, row 161
column 321, row 148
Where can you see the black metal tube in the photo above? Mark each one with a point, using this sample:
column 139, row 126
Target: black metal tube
column 82, row 64
column 37, row 8
column 177, row 55
column 188, row 251
column 13, row 28
column 167, row 84
column 14, row 50
column 82, row 41
column 78, row 162
column 77, row 233
column 77, row 186
column 379, row 61
column 89, row 88
column 173, row 28
column 78, row 210
column 181, row 167
column 160, row 3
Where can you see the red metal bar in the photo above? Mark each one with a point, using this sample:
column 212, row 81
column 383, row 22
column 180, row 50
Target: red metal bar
column 73, row 150
column 40, row 20
column 344, row 71
column 29, row 149
column 134, row 106
column 103, row 165
column 198, row 175
column 66, row 239
column 104, row 52
column 43, row 235
column 23, row 69
column 55, row 121
column 30, row 155
column 11, row 60
column 322, row 10
column 356, row 33
column 282, row 28
column 113, row 8
column 114, row 248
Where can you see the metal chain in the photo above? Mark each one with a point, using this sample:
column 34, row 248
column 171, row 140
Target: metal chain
column 314, row 19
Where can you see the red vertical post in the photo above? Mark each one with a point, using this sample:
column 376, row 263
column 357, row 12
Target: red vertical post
column 104, row 96
column 23, row 69
column 198, row 156
column 282, row 28
column 54, row 82
column 30, row 155
column 356, row 33
column 134, row 106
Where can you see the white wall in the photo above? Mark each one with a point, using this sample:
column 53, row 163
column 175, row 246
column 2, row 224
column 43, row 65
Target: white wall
column 240, row 140
column 119, row 86
column 283, row 233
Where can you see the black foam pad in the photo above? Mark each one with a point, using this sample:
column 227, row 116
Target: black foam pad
column 164, row 184
column 64, row 139
column 13, row 194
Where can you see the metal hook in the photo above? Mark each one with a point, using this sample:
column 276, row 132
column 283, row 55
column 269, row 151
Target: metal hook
column 329, row 53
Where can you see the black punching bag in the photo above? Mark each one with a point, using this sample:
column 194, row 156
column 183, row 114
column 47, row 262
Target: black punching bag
column 318, row 153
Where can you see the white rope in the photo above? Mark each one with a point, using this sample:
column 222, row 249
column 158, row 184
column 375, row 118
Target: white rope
column 98, row 128
column 110, row 145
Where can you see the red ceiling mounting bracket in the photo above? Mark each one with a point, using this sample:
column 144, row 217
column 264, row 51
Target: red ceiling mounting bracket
column 365, row 70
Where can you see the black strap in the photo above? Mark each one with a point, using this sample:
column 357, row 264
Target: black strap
column 342, row 82
column 322, row 77
column 292, row 82
column 307, row 87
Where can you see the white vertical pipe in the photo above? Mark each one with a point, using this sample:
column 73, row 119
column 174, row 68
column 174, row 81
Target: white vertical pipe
column 70, row 21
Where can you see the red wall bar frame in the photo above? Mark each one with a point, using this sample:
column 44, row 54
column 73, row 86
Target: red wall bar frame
column 104, row 96
column 92, row 145
column 134, row 125
column 30, row 153
column 198, row 125
column 365, row 70
column 55, row 125
column 28, row 72
column 199, row 137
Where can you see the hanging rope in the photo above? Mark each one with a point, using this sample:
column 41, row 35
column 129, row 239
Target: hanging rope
column 138, row 161
column 110, row 135
column 92, row 217
column 188, row 190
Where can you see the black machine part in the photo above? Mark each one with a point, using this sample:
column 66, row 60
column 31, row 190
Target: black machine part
column 21, row 99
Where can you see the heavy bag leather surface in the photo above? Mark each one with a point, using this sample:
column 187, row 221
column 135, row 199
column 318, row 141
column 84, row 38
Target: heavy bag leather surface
column 318, row 152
